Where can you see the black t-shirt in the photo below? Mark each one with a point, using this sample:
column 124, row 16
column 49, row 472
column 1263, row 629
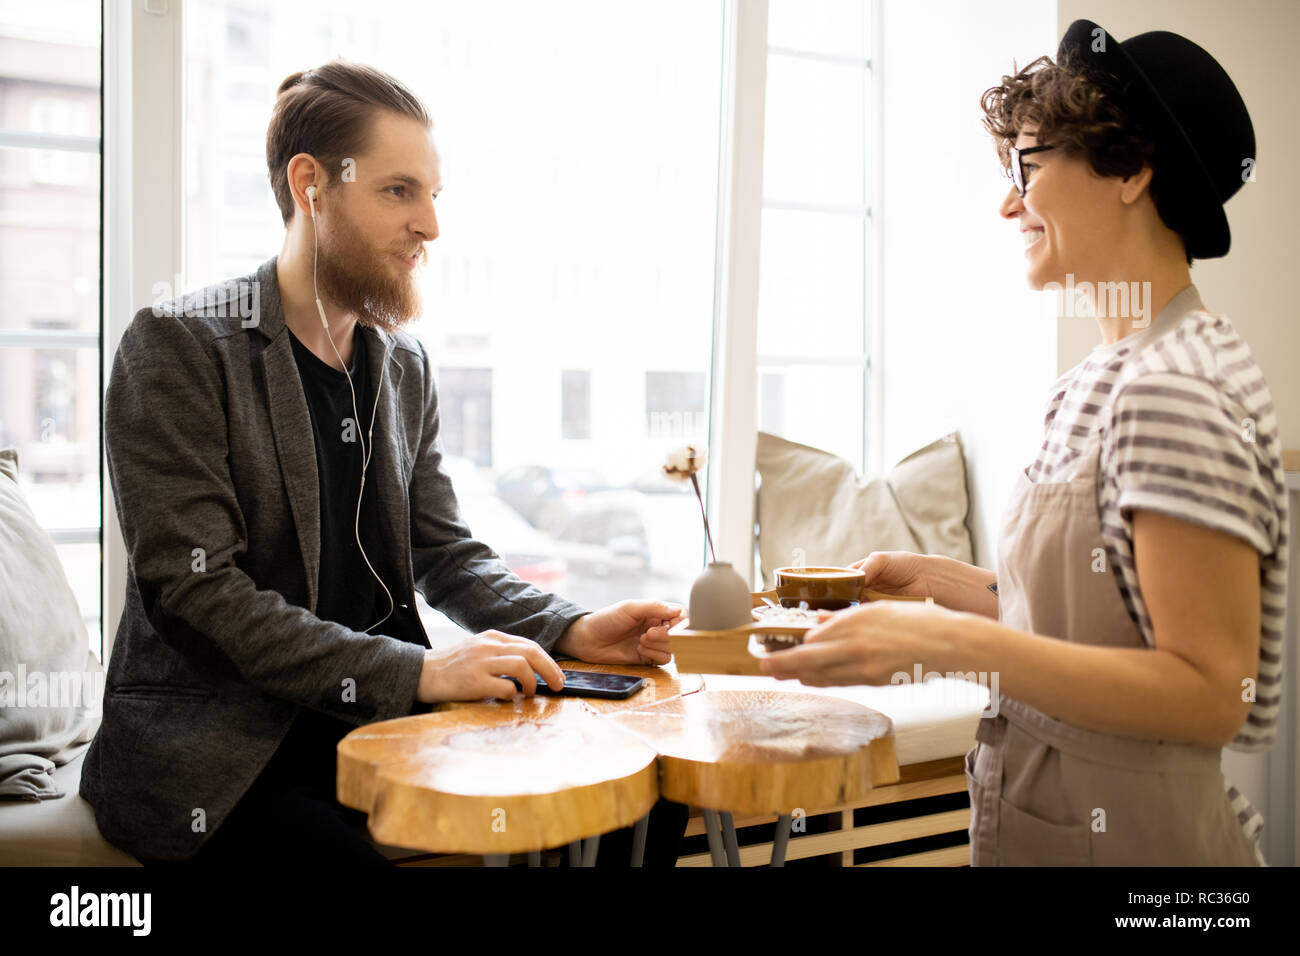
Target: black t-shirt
column 348, row 593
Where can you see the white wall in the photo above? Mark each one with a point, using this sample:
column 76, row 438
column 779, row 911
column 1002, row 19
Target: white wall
column 966, row 345
column 1253, row 285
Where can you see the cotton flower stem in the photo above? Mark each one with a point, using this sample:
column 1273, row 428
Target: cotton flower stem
column 696, row 482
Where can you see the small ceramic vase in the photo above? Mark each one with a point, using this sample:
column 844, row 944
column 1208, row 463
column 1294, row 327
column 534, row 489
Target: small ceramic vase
column 720, row 599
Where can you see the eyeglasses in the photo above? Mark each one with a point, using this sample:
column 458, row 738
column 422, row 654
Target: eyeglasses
column 1017, row 165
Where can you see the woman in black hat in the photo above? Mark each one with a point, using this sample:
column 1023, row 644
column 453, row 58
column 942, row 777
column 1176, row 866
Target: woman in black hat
column 1135, row 621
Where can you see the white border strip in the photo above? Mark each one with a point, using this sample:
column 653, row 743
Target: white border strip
column 733, row 411
column 143, row 235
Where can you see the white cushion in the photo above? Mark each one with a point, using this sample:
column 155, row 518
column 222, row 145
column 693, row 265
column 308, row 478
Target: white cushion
column 51, row 685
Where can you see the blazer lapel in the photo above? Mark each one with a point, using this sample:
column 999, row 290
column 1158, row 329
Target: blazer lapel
column 388, row 465
column 290, row 425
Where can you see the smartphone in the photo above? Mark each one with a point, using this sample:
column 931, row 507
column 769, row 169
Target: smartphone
column 590, row 684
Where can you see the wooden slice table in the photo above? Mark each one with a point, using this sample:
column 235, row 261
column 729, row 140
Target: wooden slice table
column 763, row 752
column 482, row 782
column 495, row 777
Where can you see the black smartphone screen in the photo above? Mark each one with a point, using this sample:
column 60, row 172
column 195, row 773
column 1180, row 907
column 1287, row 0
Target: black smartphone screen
column 592, row 684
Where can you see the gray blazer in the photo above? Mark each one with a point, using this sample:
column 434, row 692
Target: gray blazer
column 213, row 467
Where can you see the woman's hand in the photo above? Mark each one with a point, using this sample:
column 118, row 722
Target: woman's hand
column 896, row 572
column 952, row 583
column 869, row 644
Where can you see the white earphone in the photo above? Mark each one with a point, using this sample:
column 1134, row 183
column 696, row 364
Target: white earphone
column 365, row 452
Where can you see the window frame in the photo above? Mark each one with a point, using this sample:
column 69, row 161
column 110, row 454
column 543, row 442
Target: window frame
column 737, row 362
column 142, row 211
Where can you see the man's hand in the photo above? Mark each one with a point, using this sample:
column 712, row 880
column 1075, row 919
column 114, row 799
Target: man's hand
column 472, row 669
column 630, row 632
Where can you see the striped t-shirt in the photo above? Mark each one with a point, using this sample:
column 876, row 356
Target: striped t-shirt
column 1187, row 428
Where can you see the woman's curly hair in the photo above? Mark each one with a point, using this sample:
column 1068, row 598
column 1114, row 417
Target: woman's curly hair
column 1072, row 110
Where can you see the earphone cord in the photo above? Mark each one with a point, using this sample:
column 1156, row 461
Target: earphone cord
column 365, row 453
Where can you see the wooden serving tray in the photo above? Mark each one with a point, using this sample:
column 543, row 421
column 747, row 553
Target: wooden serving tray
column 737, row 650
column 760, row 598
column 734, row 651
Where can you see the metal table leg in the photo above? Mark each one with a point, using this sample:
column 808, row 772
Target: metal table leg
column 589, row 848
column 714, row 830
column 729, row 835
column 534, row 857
column 638, row 840
column 496, row 859
column 575, row 853
column 783, row 824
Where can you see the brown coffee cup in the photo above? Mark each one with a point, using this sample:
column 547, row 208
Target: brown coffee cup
column 829, row 589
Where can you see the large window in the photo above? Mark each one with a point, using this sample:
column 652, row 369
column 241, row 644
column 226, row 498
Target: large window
column 49, row 276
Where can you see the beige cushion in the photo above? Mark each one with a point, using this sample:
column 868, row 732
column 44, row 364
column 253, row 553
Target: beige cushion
column 816, row 501
column 63, row 832
column 58, row 832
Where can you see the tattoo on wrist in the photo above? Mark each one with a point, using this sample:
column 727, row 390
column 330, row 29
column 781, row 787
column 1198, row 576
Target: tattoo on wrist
column 993, row 587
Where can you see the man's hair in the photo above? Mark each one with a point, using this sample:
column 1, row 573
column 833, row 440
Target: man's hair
column 328, row 112
column 1074, row 113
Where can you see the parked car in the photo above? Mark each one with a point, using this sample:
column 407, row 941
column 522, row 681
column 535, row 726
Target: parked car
column 543, row 494
column 621, row 544
column 528, row 553
column 612, row 526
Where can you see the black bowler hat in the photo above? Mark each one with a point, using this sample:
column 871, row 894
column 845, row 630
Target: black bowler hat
column 1187, row 103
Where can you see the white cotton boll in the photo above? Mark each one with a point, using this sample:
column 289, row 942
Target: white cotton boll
column 685, row 461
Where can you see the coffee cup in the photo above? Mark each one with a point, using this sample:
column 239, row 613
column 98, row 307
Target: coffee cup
column 829, row 589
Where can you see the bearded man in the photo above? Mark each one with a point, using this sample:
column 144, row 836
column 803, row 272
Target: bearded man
column 274, row 454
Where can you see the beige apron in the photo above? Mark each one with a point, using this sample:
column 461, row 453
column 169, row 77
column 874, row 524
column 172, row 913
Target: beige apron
column 1044, row 792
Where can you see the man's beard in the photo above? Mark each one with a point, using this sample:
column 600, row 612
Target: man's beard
column 358, row 277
